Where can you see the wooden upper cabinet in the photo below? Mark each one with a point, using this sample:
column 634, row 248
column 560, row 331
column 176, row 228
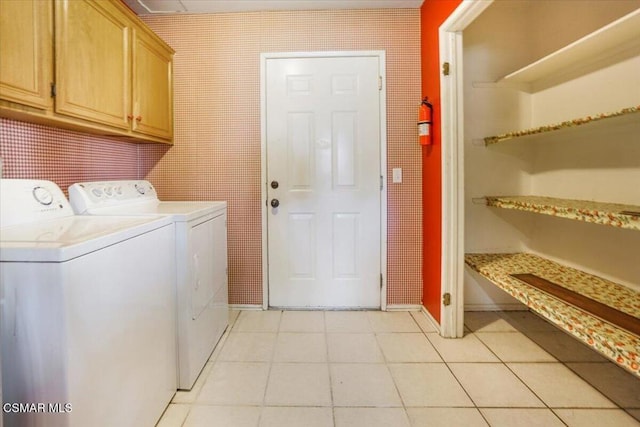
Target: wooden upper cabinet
column 93, row 69
column 152, row 86
column 26, row 43
column 112, row 74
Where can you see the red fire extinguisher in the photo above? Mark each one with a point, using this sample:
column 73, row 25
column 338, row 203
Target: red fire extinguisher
column 425, row 121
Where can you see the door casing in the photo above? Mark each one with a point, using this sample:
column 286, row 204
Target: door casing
column 452, row 130
column 380, row 54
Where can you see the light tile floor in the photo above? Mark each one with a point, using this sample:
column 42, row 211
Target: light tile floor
column 368, row 368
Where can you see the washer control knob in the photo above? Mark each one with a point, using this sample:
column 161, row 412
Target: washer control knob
column 97, row 192
column 140, row 189
column 42, row 196
column 108, row 191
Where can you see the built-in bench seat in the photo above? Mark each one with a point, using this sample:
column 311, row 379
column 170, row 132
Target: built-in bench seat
column 603, row 297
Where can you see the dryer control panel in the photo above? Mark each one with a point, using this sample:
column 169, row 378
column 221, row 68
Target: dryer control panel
column 85, row 196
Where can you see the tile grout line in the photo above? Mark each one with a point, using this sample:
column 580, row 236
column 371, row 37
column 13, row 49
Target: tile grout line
column 217, row 352
column 454, row 376
column 221, row 343
column 326, row 343
column 386, row 362
column 546, row 406
column 473, row 332
column 563, row 363
column 271, row 362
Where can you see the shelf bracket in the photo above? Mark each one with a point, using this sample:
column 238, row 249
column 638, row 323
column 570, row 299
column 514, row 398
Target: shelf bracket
column 479, row 200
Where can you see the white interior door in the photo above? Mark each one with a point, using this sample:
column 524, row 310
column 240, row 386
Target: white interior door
column 323, row 149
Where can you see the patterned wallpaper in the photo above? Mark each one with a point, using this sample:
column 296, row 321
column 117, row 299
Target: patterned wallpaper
column 217, row 143
column 216, row 155
column 64, row 157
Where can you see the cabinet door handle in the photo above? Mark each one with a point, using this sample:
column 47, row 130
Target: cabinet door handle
column 129, row 116
column 139, row 119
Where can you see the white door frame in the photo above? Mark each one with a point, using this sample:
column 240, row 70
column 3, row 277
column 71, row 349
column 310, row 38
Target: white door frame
column 452, row 125
column 381, row 55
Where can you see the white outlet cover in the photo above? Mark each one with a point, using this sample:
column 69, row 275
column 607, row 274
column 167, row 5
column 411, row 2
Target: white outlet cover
column 397, row 175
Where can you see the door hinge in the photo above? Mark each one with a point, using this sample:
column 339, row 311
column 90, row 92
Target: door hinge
column 381, row 182
column 445, row 68
column 380, row 280
column 379, row 82
column 53, row 90
column 446, row 299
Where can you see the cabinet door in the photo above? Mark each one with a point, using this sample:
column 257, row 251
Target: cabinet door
column 152, row 86
column 93, row 66
column 26, row 50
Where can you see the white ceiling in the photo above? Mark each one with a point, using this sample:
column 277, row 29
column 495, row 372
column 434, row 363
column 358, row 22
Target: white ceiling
column 146, row 7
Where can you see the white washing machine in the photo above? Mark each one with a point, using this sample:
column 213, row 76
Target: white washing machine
column 201, row 260
column 88, row 318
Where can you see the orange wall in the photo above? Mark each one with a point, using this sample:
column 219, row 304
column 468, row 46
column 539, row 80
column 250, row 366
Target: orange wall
column 432, row 14
column 217, row 155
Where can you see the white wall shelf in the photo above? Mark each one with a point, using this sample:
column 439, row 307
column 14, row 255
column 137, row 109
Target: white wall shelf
column 612, row 214
column 617, row 344
column 599, row 48
column 628, row 115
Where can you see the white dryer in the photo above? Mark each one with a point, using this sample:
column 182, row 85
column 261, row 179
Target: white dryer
column 201, row 260
column 88, row 319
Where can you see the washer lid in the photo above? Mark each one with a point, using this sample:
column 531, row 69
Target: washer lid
column 178, row 211
column 66, row 238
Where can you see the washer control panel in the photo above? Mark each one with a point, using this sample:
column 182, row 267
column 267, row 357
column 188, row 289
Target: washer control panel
column 85, row 196
column 29, row 200
column 43, row 195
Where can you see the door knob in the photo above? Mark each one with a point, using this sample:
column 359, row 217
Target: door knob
column 274, row 184
column 275, row 203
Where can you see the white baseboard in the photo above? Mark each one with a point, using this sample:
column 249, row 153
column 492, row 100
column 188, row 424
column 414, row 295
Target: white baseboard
column 430, row 318
column 245, row 307
column 403, row 307
column 496, row 307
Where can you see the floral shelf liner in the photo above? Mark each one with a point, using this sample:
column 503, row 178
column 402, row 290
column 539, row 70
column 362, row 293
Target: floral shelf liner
column 559, row 126
column 617, row 344
column 613, row 214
